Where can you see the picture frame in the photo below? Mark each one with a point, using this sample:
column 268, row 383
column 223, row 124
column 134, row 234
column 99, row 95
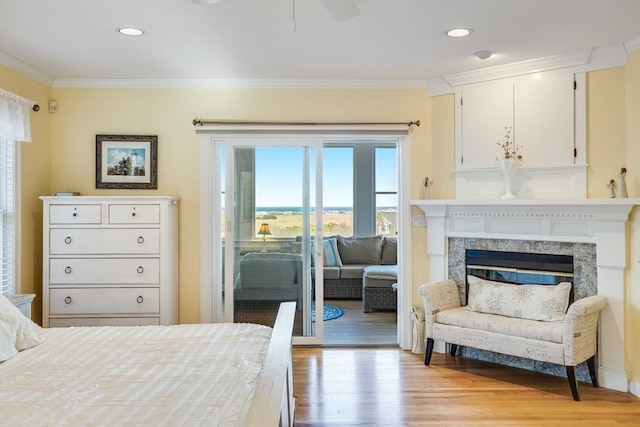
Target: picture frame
column 127, row 161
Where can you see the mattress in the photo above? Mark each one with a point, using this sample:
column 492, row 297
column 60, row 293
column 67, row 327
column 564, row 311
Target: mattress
column 182, row 375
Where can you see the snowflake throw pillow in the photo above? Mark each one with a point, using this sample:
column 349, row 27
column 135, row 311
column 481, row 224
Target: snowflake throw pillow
column 534, row 302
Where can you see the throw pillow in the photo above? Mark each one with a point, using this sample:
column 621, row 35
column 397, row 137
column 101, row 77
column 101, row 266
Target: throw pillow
column 534, row 302
column 17, row 333
column 389, row 251
column 331, row 256
column 360, row 250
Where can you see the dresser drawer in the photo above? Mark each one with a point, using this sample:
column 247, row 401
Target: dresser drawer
column 74, row 214
column 104, row 301
column 103, row 321
column 134, row 214
column 104, row 241
column 104, row 270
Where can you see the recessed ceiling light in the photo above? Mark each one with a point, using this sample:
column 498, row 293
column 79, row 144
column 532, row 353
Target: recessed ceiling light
column 459, row 32
column 130, row 31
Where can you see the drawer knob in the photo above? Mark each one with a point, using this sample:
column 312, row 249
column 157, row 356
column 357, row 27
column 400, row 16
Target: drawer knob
column 67, row 270
column 141, row 240
column 67, row 240
column 140, row 299
column 67, row 300
column 75, row 214
column 133, row 214
column 140, row 270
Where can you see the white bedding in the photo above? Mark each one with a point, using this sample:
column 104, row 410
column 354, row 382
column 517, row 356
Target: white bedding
column 186, row 375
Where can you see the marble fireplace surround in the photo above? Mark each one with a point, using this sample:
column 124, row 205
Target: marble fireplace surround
column 601, row 222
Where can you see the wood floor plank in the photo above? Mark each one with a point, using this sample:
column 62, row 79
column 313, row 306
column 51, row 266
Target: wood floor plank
column 391, row 387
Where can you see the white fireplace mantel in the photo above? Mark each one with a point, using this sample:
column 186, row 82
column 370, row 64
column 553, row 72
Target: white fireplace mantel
column 598, row 221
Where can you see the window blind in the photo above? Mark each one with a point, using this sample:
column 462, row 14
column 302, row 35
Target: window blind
column 7, row 215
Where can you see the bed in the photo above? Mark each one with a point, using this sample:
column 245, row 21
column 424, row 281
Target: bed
column 228, row 374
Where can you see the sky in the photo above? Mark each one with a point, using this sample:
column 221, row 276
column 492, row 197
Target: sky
column 279, row 176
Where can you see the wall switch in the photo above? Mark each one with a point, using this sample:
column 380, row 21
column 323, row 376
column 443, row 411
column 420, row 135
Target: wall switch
column 419, row 220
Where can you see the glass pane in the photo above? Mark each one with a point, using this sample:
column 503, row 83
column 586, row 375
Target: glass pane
column 337, row 215
column 386, row 178
column 387, row 214
column 272, row 253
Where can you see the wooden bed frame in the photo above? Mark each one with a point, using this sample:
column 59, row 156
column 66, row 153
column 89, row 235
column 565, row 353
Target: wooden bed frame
column 273, row 403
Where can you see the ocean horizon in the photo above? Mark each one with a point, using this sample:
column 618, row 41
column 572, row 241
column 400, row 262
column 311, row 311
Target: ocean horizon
column 298, row 209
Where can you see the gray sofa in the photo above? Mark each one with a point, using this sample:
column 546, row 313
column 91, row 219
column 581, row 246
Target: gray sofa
column 356, row 256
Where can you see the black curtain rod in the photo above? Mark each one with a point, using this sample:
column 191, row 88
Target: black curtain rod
column 203, row 122
column 35, row 107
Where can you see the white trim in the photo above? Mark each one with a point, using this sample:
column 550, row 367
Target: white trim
column 578, row 61
column 405, row 276
column 632, row 44
column 634, row 387
column 239, row 84
column 26, row 69
column 519, row 68
column 352, row 132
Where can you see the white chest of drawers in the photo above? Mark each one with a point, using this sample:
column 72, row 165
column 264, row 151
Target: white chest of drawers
column 110, row 261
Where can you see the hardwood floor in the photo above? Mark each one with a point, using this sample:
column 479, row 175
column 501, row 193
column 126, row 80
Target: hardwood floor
column 391, row 387
column 359, row 328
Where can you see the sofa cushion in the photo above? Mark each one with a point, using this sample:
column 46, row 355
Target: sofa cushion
column 382, row 272
column 360, row 250
column 534, row 302
column 329, row 272
column 389, row 251
column 533, row 329
column 352, row 271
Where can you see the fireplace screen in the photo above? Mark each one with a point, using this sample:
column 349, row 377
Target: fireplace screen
column 518, row 267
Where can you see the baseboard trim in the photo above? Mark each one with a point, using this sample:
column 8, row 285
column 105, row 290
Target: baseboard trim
column 634, row 388
column 613, row 380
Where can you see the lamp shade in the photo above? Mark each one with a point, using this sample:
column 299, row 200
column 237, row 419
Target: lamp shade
column 264, row 229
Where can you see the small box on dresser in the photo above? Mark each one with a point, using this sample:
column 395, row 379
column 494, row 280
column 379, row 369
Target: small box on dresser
column 110, row 261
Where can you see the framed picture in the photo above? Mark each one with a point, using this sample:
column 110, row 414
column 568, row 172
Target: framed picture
column 127, row 161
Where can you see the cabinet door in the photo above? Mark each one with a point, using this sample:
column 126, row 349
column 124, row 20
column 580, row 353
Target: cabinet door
column 538, row 107
column 487, row 108
column 544, row 118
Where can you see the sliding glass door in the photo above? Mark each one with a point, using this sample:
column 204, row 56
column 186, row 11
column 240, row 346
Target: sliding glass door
column 269, row 193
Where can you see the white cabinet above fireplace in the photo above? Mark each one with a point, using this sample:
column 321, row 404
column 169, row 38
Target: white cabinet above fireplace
column 539, row 110
column 547, row 115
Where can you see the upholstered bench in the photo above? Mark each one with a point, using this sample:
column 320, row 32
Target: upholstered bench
column 530, row 321
column 377, row 288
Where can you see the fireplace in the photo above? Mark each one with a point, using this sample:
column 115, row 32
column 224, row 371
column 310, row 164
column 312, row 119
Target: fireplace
column 592, row 231
column 544, row 263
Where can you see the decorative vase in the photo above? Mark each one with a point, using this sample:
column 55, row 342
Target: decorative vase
column 508, row 168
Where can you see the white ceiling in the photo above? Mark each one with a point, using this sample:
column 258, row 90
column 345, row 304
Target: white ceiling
column 394, row 40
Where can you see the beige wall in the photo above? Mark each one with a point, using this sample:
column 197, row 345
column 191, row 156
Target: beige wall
column 36, row 172
column 632, row 320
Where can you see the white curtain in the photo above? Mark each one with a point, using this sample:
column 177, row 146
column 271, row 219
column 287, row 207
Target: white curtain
column 14, row 117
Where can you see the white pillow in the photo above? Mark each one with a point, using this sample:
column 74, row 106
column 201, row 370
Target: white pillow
column 17, row 333
column 535, row 302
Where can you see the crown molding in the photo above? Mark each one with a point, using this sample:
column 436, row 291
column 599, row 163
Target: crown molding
column 239, row 84
column 548, row 63
column 632, row 44
column 579, row 61
column 26, row 69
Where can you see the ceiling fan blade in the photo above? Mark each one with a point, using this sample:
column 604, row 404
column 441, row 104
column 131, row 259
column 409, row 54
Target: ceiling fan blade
column 341, row 10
